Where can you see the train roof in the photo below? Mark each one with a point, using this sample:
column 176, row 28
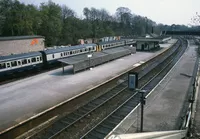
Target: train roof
column 50, row 51
column 19, row 56
column 108, row 42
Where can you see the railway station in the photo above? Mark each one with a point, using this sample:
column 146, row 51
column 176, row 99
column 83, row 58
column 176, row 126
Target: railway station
column 75, row 88
column 99, row 74
column 52, row 86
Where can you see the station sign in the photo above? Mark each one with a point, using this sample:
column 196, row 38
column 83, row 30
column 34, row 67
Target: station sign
column 133, row 80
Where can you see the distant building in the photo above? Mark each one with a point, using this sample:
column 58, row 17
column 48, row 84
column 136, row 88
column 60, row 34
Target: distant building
column 20, row 44
column 147, row 44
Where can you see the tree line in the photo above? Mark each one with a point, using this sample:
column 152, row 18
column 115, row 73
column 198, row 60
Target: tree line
column 61, row 25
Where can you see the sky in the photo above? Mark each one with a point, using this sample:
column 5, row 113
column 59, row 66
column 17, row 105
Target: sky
column 161, row 11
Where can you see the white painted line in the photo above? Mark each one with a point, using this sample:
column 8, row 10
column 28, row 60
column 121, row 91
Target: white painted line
column 142, row 62
column 136, row 65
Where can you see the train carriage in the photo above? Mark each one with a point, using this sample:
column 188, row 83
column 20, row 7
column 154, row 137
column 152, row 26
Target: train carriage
column 111, row 44
column 52, row 55
column 20, row 62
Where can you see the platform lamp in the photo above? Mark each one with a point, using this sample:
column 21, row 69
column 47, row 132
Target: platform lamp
column 89, row 56
column 133, row 85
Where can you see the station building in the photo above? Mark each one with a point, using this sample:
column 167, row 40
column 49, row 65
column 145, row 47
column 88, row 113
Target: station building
column 21, row 44
column 148, row 44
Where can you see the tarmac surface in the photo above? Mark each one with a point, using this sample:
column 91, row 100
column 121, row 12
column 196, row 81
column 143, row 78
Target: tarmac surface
column 165, row 102
column 28, row 97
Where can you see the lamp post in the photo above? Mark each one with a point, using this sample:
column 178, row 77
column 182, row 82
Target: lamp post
column 146, row 26
column 133, row 85
column 89, row 56
column 142, row 102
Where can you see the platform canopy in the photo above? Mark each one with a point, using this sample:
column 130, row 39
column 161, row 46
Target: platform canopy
column 78, row 58
column 84, row 61
column 149, row 39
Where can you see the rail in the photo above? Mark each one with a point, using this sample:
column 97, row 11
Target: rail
column 34, row 121
column 105, row 127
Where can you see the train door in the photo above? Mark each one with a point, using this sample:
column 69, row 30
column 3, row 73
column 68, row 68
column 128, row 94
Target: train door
column 99, row 47
column 142, row 47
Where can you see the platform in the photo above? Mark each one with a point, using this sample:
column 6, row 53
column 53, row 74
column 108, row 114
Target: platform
column 196, row 114
column 28, row 97
column 82, row 62
column 165, row 102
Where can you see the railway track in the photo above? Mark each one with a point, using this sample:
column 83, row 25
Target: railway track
column 102, row 129
column 67, row 107
column 147, row 81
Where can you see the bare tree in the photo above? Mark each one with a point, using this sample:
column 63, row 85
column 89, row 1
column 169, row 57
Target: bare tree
column 196, row 19
column 86, row 12
column 67, row 12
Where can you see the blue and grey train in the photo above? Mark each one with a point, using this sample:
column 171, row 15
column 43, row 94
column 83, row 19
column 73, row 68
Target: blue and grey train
column 21, row 62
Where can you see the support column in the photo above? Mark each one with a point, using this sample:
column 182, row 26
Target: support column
column 63, row 68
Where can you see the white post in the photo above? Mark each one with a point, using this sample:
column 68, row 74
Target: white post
column 89, row 56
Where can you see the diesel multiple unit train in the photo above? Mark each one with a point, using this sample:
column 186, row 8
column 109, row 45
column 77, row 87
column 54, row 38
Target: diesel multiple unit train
column 21, row 62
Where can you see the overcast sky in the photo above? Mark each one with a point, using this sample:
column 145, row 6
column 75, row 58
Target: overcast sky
column 162, row 11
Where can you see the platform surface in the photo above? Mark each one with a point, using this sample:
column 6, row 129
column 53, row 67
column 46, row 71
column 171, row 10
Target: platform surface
column 196, row 125
column 25, row 98
column 165, row 102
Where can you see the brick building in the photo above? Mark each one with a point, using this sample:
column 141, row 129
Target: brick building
column 20, row 44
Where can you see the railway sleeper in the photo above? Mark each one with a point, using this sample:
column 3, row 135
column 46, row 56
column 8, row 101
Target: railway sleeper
column 94, row 134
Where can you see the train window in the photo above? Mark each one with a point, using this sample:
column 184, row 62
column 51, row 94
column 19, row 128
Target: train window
column 33, row 59
column 40, row 58
column 52, row 55
column 89, row 49
column 70, row 52
column 19, row 62
column 81, row 51
column 14, row 63
column 29, row 61
column 61, row 54
column 2, row 66
column 8, row 65
column 23, row 62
